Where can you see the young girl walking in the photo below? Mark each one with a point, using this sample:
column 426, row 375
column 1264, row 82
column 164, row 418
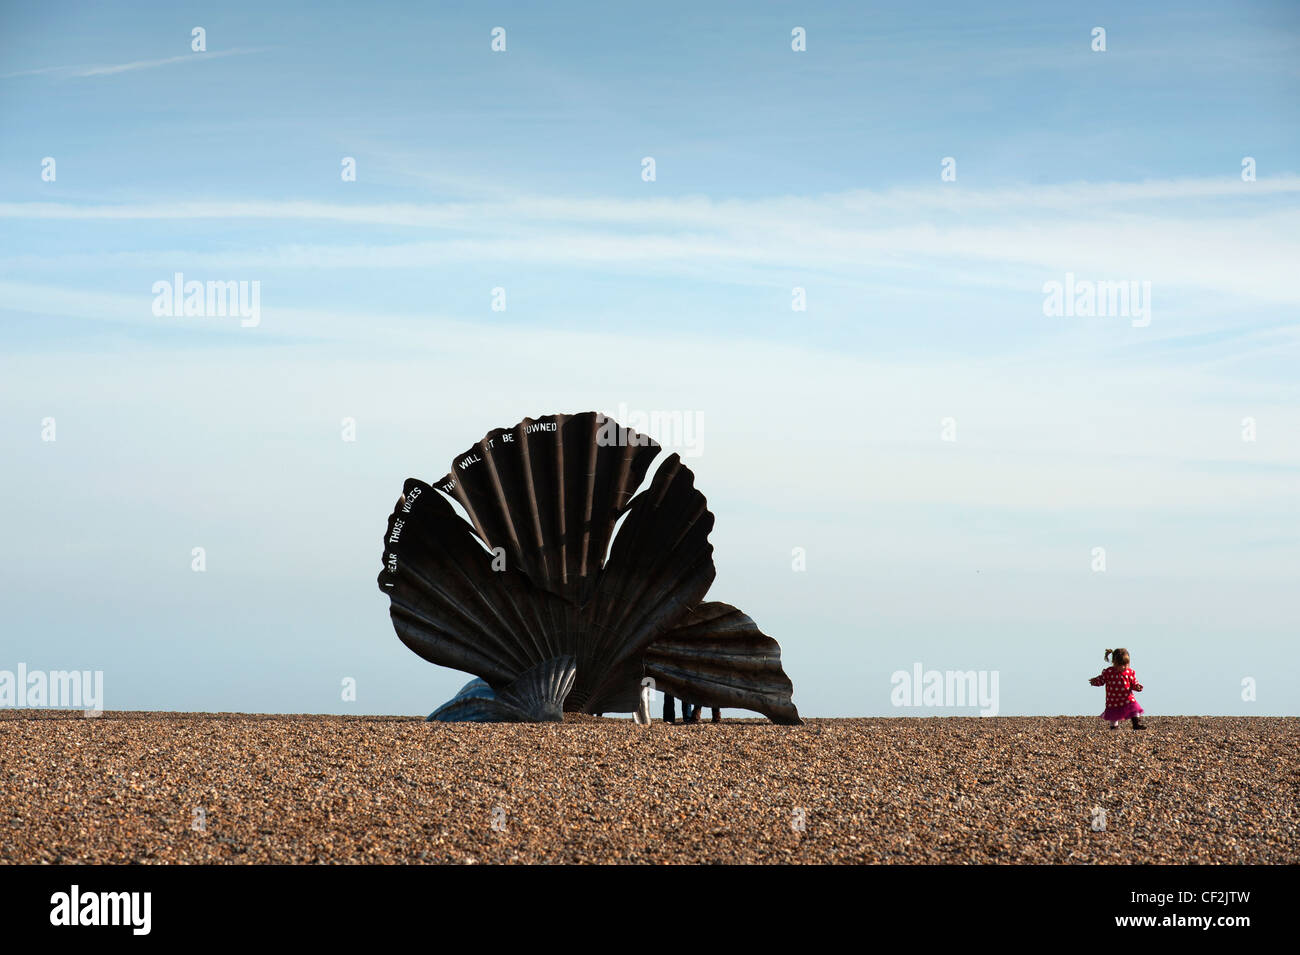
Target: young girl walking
column 1119, row 680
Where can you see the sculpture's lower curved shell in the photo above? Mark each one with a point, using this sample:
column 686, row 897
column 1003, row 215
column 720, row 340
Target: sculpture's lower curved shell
column 475, row 702
column 719, row 657
column 536, row 697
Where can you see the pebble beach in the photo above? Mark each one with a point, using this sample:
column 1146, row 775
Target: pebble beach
column 239, row 788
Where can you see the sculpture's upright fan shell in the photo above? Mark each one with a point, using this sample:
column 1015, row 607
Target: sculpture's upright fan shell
column 549, row 491
column 526, row 600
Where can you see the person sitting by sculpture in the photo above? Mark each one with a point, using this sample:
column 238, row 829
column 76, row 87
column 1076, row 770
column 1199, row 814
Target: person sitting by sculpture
column 690, row 711
column 695, row 709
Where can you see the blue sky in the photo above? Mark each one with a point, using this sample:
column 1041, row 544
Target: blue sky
column 819, row 429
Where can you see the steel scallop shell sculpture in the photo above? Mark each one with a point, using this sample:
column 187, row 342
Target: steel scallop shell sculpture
column 550, row 606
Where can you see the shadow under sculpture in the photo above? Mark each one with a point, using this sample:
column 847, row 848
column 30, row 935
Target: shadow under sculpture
column 524, row 597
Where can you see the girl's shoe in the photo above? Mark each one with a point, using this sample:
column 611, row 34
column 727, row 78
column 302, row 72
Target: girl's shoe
column 1114, row 726
column 1138, row 724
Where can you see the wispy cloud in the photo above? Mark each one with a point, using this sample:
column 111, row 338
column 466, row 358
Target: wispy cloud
column 110, row 69
column 688, row 210
column 1219, row 234
column 1050, row 425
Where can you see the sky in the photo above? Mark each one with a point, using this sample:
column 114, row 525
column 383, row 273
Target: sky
column 925, row 464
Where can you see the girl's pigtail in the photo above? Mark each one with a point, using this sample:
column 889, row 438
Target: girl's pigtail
column 1107, row 656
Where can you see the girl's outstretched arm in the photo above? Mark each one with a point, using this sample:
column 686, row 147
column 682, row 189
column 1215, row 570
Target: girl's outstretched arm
column 1097, row 680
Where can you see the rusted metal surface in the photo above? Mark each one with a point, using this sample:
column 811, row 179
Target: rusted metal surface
column 525, row 599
